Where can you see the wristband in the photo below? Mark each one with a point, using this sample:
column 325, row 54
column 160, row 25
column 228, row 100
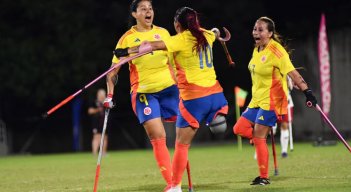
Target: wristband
column 307, row 92
column 121, row 52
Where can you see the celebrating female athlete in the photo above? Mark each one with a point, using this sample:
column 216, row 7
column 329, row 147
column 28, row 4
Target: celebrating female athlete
column 154, row 95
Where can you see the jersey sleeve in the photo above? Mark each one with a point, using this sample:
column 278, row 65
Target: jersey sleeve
column 210, row 36
column 173, row 43
column 166, row 33
column 285, row 64
column 122, row 43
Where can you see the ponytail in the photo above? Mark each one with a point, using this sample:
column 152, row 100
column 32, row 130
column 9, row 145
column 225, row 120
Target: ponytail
column 188, row 19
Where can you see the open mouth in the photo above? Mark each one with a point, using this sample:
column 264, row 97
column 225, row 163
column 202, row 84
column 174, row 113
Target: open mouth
column 148, row 18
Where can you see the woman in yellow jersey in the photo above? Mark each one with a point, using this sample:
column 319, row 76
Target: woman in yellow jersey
column 154, row 93
column 201, row 95
column 269, row 66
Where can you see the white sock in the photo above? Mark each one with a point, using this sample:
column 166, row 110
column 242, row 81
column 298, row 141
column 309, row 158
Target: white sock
column 284, row 140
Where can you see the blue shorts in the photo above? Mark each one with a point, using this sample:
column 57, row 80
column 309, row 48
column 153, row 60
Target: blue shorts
column 260, row 116
column 193, row 112
column 162, row 104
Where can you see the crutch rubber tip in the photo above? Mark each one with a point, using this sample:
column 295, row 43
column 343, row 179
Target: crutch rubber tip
column 276, row 172
column 44, row 115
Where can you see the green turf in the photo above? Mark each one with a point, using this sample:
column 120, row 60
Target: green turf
column 214, row 168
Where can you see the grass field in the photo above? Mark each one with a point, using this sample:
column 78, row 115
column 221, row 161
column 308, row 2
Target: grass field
column 214, row 168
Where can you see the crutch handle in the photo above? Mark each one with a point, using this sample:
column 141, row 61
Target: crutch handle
column 309, row 104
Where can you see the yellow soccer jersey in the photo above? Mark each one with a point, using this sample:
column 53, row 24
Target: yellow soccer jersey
column 195, row 72
column 150, row 73
column 269, row 69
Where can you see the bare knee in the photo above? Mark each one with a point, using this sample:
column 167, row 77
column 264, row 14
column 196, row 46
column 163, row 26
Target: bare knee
column 261, row 131
column 154, row 129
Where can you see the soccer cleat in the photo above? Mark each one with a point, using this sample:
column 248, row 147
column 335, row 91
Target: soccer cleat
column 256, row 179
column 260, row 181
column 167, row 188
column 177, row 188
column 284, row 154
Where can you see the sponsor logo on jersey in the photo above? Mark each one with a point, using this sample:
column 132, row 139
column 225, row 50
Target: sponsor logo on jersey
column 137, row 40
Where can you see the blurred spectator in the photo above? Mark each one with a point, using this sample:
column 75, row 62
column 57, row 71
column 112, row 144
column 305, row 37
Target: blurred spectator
column 96, row 111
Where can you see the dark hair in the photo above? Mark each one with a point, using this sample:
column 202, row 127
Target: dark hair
column 132, row 8
column 276, row 36
column 188, row 19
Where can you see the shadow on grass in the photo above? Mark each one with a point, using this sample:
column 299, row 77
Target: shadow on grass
column 271, row 188
column 238, row 186
column 200, row 187
column 272, row 179
column 145, row 188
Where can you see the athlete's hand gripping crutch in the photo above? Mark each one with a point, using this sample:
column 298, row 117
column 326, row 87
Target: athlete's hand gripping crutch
column 311, row 101
column 97, row 174
column 222, row 41
column 145, row 49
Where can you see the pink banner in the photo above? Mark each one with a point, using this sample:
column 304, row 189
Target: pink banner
column 324, row 66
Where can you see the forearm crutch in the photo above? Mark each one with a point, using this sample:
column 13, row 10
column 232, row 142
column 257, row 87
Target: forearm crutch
column 276, row 172
column 332, row 126
column 290, row 129
column 107, row 111
column 69, row 98
column 190, row 185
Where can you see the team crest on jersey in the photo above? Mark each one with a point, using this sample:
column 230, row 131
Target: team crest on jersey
column 157, row 36
column 147, row 110
column 137, row 40
column 263, row 58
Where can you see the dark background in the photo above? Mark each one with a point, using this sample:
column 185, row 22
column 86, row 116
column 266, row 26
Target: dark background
column 50, row 49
